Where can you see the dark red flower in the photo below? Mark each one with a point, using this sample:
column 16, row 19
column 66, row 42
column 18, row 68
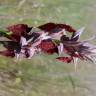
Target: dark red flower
column 47, row 46
column 52, row 51
column 49, row 27
column 7, row 53
column 65, row 59
column 17, row 30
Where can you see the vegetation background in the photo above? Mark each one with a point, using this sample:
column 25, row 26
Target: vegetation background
column 43, row 75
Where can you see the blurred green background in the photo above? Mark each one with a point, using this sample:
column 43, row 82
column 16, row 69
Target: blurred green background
column 43, row 75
